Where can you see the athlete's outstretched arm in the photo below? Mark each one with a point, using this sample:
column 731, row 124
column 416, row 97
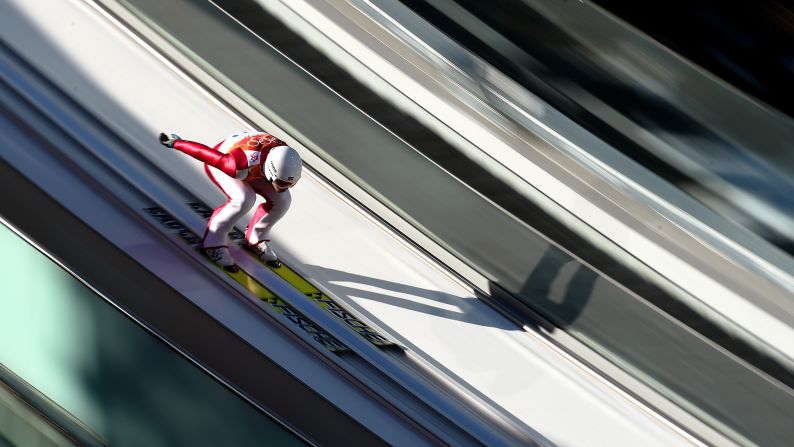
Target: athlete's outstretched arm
column 228, row 163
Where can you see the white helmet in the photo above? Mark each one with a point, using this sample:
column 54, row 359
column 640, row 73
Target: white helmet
column 283, row 163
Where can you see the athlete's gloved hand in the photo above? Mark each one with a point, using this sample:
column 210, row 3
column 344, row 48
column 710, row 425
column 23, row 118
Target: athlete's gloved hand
column 167, row 141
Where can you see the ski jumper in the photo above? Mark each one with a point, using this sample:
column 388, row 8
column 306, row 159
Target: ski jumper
column 235, row 166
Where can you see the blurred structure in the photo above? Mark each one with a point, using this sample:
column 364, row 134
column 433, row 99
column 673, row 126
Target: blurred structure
column 748, row 44
column 567, row 233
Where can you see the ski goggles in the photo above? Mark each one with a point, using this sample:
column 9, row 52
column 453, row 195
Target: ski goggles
column 283, row 183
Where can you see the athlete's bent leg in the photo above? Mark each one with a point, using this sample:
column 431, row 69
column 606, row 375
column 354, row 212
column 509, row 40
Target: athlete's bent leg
column 267, row 214
column 241, row 197
column 257, row 235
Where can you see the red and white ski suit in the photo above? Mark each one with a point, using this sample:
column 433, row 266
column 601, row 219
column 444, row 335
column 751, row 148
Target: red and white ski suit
column 235, row 166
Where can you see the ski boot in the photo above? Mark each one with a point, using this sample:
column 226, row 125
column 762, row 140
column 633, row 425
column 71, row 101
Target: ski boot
column 221, row 257
column 264, row 252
